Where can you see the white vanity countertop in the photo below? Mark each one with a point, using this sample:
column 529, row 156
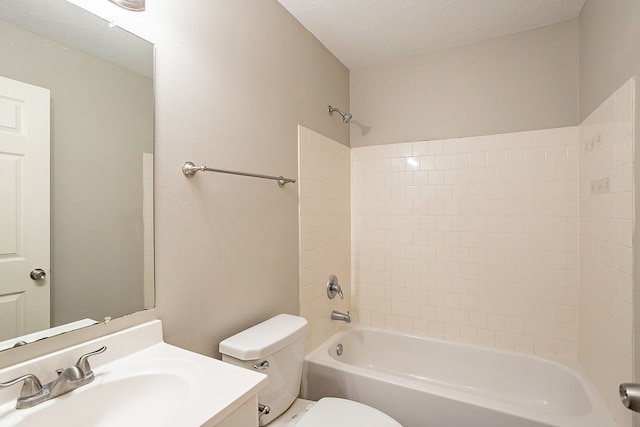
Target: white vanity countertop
column 177, row 387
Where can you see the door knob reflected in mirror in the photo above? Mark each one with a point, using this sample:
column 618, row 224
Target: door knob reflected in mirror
column 38, row 274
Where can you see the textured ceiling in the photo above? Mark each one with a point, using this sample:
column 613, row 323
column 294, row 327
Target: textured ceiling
column 362, row 33
column 75, row 27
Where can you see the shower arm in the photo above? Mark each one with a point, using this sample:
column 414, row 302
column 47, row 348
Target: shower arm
column 346, row 117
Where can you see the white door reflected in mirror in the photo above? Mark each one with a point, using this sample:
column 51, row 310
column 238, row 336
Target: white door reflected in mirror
column 24, row 211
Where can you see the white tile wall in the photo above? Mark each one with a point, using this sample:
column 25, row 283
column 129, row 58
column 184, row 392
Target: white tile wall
column 471, row 239
column 606, row 151
column 325, row 219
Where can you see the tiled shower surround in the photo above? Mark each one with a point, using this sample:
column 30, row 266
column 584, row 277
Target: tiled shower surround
column 471, row 239
column 325, row 219
column 606, row 156
column 519, row 241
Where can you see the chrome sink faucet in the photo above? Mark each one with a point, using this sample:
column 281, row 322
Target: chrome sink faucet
column 33, row 392
column 336, row 315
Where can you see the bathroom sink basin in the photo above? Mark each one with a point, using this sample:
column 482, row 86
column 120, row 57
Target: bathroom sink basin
column 114, row 403
column 115, row 398
column 159, row 385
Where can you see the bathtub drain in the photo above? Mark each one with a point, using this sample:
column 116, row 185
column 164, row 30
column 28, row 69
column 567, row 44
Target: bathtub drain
column 339, row 349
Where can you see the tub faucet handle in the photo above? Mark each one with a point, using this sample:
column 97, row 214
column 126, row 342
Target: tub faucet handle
column 333, row 287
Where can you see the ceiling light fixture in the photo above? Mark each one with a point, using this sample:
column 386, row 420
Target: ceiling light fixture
column 134, row 5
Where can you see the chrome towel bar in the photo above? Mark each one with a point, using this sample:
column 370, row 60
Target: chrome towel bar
column 189, row 169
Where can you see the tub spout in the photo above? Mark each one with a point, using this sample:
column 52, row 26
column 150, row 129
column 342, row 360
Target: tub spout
column 336, row 315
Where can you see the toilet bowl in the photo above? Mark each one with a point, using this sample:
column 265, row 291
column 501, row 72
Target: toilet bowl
column 331, row 411
column 276, row 347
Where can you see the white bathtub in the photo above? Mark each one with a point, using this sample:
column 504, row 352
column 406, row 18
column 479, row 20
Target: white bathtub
column 424, row 382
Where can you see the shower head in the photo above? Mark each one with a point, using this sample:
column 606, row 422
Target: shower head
column 346, row 117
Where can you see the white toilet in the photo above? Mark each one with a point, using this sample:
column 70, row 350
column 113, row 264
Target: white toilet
column 276, row 347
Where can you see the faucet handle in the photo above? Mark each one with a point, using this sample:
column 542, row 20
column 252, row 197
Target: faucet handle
column 83, row 362
column 31, row 386
column 333, row 287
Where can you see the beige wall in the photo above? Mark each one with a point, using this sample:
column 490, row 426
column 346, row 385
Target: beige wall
column 325, row 231
column 609, row 50
column 98, row 134
column 234, row 80
column 519, row 82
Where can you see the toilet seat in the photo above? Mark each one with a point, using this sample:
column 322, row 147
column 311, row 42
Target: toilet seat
column 331, row 411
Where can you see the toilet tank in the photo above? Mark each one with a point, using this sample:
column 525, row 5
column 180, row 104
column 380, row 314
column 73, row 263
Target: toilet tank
column 279, row 342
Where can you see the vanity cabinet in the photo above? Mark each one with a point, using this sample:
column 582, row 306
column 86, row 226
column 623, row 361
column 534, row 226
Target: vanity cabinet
column 245, row 416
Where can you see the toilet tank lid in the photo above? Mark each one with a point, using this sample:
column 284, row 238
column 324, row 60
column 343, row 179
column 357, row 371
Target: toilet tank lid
column 264, row 338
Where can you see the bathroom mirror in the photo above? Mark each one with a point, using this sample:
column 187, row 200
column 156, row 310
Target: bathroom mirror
column 99, row 79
